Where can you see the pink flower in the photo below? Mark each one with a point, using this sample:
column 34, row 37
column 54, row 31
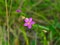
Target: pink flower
column 18, row 10
column 29, row 22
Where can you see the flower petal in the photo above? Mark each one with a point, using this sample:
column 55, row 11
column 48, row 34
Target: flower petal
column 26, row 20
column 18, row 10
column 32, row 22
column 30, row 19
column 25, row 24
column 29, row 26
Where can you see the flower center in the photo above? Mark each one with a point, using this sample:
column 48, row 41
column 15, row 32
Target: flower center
column 28, row 23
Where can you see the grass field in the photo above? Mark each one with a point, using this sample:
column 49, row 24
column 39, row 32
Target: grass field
column 29, row 22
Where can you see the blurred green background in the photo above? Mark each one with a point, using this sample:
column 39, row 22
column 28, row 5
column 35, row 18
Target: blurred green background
column 45, row 31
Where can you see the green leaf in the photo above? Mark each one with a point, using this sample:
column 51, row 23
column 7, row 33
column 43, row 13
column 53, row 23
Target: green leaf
column 33, row 42
column 40, row 26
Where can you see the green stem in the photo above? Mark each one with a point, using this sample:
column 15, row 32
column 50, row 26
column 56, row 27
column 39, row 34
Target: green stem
column 51, row 38
column 45, row 41
column 7, row 20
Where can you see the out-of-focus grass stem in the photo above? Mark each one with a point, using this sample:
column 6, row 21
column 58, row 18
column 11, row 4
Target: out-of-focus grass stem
column 1, row 35
column 7, row 19
column 10, row 7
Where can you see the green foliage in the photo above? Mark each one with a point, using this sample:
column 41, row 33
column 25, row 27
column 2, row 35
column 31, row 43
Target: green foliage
column 45, row 13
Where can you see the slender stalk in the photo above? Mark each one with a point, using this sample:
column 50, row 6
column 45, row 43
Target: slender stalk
column 1, row 35
column 10, row 8
column 45, row 41
column 34, row 5
column 25, row 36
column 21, row 3
column 7, row 20
column 36, row 39
column 51, row 38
